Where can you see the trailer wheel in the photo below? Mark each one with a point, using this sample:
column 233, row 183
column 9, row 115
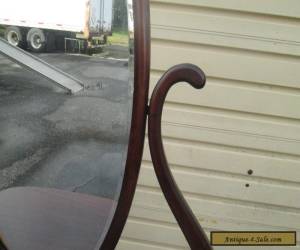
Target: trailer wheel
column 14, row 36
column 36, row 40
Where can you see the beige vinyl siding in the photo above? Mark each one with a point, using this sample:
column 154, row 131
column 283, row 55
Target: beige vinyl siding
column 247, row 117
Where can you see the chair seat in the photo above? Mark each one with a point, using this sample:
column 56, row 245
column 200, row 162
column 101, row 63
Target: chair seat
column 48, row 219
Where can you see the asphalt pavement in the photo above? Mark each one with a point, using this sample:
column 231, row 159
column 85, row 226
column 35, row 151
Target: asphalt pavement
column 50, row 138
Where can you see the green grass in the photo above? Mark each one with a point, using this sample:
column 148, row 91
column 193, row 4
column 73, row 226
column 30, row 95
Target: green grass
column 118, row 37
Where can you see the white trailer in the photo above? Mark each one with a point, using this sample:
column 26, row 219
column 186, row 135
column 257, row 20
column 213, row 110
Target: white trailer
column 40, row 25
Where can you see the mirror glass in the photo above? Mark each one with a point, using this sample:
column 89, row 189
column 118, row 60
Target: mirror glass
column 66, row 91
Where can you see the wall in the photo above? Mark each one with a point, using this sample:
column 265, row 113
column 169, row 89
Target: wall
column 246, row 118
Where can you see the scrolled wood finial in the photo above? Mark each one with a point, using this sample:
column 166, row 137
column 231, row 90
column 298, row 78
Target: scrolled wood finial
column 188, row 223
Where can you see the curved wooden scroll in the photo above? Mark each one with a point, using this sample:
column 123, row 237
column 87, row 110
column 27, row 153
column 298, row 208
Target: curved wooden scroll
column 187, row 221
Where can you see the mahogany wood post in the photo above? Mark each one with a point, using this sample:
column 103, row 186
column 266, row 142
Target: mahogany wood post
column 141, row 11
column 187, row 221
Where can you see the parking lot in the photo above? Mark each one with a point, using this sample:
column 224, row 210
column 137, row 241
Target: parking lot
column 50, row 138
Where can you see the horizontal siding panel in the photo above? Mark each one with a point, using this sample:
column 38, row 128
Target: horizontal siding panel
column 213, row 213
column 229, row 123
column 164, row 230
column 229, row 187
column 166, row 235
column 200, row 20
column 161, row 235
column 288, row 8
column 247, row 67
column 212, row 38
column 209, row 158
column 213, row 223
column 246, row 118
column 223, row 95
column 133, row 244
column 234, row 139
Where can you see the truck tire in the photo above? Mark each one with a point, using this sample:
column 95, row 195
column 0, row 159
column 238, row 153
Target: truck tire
column 36, row 40
column 14, row 36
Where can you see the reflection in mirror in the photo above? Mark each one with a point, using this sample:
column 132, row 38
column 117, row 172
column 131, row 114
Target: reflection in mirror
column 66, row 87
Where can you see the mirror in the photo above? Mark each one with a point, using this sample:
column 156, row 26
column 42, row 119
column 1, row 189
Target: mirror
column 66, row 93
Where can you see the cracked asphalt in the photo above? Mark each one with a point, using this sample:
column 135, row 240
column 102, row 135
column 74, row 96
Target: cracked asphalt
column 49, row 138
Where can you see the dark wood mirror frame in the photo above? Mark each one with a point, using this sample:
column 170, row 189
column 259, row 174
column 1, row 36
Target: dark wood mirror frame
column 189, row 224
column 141, row 12
column 141, row 110
column 186, row 72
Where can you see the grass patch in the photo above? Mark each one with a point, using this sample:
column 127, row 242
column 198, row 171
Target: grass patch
column 118, row 37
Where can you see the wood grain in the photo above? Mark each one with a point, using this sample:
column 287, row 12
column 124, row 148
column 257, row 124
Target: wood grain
column 138, row 124
column 36, row 218
column 180, row 208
